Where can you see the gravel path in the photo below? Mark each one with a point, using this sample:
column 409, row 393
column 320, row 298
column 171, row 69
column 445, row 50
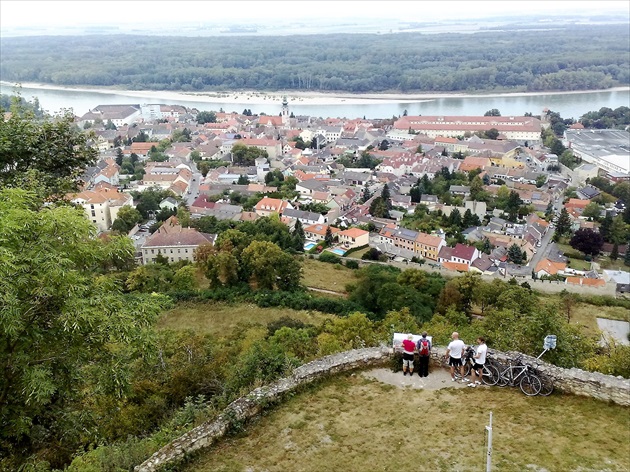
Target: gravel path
column 438, row 378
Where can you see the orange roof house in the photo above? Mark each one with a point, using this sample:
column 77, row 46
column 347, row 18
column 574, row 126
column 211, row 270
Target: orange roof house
column 585, row 281
column 267, row 205
column 549, row 267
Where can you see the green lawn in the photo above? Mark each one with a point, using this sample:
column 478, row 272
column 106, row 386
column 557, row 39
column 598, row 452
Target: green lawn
column 358, row 254
column 353, row 423
column 326, row 276
column 222, row 318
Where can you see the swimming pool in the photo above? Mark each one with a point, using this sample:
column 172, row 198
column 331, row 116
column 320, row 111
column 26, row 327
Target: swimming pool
column 309, row 246
column 339, row 252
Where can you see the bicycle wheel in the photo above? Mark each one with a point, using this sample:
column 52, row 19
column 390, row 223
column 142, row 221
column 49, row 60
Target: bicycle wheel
column 490, row 375
column 504, row 379
column 467, row 369
column 546, row 386
column 530, row 385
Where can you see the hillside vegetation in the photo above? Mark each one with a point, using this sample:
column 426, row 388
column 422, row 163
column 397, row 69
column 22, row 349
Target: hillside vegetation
column 352, row 423
column 579, row 57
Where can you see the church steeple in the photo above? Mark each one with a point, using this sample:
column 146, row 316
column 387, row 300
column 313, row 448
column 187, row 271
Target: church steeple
column 285, row 110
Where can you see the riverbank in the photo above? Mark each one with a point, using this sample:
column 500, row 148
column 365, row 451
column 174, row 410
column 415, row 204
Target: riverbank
column 299, row 97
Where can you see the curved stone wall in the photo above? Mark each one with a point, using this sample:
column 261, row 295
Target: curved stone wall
column 251, row 405
column 575, row 381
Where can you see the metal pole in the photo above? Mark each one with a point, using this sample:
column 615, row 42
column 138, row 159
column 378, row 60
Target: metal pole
column 489, row 456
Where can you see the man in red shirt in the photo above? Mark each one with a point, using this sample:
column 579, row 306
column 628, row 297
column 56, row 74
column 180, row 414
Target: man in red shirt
column 408, row 349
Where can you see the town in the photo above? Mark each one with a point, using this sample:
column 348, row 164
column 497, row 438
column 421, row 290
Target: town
column 493, row 195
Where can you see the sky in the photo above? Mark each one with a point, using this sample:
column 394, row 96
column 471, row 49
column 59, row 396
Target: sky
column 21, row 13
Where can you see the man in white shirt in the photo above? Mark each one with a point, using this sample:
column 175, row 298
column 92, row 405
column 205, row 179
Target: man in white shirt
column 480, row 360
column 454, row 353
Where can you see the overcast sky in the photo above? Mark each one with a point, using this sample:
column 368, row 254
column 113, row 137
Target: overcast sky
column 92, row 12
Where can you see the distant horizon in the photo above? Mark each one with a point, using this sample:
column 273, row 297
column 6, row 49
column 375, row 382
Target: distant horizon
column 16, row 16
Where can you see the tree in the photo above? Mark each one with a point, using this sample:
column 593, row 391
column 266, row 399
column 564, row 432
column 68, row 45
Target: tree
column 592, row 210
column 51, row 151
column 568, row 301
column 512, row 205
column 564, row 223
column 493, row 112
column 385, row 195
column 206, row 117
column 549, row 211
column 126, row 219
column 587, row 241
column 243, row 155
column 242, row 180
column 328, row 236
column 64, row 330
column 367, row 194
column 384, row 145
column 269, row 267
column 299, row 238
column 492, row 133
column 470, row 219
column 119, row 156
column 515, row 254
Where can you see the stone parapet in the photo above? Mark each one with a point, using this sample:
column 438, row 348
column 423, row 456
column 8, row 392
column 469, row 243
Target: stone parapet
column 574, row 381
column 252, row 404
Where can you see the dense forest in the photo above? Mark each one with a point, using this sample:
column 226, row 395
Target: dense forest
column 576, row 58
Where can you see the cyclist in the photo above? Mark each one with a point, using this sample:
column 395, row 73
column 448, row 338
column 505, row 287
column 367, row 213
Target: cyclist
column 480, row 360
column 454, row 353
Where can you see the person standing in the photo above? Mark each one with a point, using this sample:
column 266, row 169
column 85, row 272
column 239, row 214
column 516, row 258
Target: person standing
column 424, row 351
column 480, row 361
column 454, row 353
column 408, row 351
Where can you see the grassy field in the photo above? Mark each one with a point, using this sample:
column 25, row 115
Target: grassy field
column 358, row 254
column 219, row 318
column 352, row 423
column 586, row 315
column 326, row 276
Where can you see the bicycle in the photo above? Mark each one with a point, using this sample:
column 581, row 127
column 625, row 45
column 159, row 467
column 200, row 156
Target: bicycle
column 489, row 373
column 521, row 375
column 546, row 383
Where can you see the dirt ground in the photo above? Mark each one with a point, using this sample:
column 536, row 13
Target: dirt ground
column 438, row 378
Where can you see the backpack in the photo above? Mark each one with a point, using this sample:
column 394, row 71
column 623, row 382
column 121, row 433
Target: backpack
column 423, row 347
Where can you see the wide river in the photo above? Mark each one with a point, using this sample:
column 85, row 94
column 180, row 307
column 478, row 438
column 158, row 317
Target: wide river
column 569, row 105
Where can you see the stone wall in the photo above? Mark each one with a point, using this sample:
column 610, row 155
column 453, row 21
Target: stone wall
column 251, row 405
column 575, row 381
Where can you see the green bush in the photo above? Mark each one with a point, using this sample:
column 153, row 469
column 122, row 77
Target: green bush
column 329, row 257
column 351, row 264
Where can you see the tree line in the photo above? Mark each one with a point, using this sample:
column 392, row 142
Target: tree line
column 575, row 58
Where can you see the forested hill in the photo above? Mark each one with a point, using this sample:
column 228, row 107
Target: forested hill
column 575, row 58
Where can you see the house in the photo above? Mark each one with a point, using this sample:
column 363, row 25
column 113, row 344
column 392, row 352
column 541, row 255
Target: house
column 547, row 267
column 462, row 190
column 102, row 205
column 307, row 218
column 588, row 192
column 168, row 202
column 516, row 128
column 354, row 237
column 585, row 281
column 428, row 246
column 620, row 278
column 119, row 115
column 267, row 206
column 464, row 254
column 174, row 242
column 318, row 232
column 400, row 238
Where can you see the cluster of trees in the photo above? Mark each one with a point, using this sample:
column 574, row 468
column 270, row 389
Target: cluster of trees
column 51, row 153
column 243, row 155
column 364, row 161
column 607, row 118
column 404, row 62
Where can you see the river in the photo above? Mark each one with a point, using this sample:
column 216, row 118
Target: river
column 569, row 105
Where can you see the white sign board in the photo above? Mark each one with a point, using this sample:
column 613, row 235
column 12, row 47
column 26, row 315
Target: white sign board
column 550, row 341
column 400, row 337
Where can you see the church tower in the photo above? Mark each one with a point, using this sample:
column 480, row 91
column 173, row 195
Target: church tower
column 285, row 111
